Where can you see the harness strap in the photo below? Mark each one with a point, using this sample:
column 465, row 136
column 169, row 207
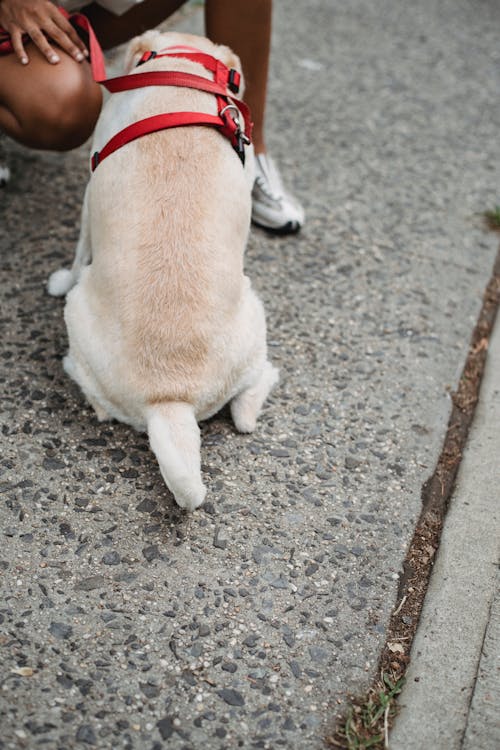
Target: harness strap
column 175, row 78
column 226, row 77
column 152, row 125
column 163, row 78
column 97, row 63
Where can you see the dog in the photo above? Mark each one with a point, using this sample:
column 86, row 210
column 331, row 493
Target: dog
column 164, row 327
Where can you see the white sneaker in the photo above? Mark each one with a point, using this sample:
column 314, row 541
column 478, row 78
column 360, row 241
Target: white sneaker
column 4, row 170
column 272, row 207
column 4, row 175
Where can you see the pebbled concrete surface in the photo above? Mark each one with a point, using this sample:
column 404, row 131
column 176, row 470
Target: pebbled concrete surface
column 125, row 623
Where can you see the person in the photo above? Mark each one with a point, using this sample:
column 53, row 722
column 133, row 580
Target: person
column 49, row 99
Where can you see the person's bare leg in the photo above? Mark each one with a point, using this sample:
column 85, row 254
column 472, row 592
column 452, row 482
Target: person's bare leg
column 48, row 106
column 246, row 28
column 56, row 106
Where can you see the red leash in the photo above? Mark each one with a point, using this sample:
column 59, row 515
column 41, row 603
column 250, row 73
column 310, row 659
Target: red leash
column 224, row 85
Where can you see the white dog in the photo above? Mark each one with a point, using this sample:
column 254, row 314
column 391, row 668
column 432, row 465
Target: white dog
column 164, row 327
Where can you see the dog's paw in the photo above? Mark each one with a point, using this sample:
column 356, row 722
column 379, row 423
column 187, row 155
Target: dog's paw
column 60, row 282
column 4, row 175
column 245, row 421
column 246, row 407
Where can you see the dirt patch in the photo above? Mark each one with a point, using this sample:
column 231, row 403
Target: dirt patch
column 368, row 719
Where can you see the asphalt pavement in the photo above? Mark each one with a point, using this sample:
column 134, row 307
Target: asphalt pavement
column 126, row 623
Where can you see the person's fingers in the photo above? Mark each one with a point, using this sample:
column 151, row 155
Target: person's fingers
column 44, row 28
column 64, row 41
column 43, row 45
column 64, row 25
column 16, row 38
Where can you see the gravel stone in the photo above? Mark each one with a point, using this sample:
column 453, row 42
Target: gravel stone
column 311, row 569
column 318, row 654
column 232, row 697
column 111, row 558
column 53, row 464
column 150, row 691
column 251, row 641
column 91, row 583
column 352, row 463
column 166, row 727
column 151, row 553
column 220, row 539
column 86, row 734
column 60, row 630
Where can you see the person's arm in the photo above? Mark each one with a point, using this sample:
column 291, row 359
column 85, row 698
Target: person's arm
column 41, row 21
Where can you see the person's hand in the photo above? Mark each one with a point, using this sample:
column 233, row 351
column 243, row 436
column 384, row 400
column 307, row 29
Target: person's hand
column 40, row 20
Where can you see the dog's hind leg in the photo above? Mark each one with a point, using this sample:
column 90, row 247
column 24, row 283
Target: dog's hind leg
column 174, row 437
column 77, row 374
column 246, row 406
column 61, row 281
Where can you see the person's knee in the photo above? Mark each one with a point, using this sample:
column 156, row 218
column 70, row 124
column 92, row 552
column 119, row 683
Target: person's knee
column 55, row 107
column 72, row 114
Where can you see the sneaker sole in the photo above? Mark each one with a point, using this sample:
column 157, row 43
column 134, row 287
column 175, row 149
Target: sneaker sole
column 291, row 227
column 4, row 176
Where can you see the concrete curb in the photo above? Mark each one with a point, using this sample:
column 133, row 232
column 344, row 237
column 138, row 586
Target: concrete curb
column 449, row 698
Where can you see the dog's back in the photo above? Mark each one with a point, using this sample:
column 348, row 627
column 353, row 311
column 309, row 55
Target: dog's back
column 170, row 221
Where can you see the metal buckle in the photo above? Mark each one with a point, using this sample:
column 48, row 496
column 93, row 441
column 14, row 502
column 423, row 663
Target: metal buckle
column 234, row 80
column 147, row 56
column 236, row 119
column 240, row 138
column 233, row 108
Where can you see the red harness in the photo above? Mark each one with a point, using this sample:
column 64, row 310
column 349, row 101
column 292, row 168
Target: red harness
column 224, row 85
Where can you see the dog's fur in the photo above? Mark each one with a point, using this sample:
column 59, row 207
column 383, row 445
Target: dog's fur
column 164, row 327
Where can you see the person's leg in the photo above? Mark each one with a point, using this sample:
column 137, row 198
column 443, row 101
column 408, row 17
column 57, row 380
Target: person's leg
column 48, row 106
column 246, row 28
column 55, row 107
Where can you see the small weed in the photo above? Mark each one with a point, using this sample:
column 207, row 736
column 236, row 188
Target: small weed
column 367, row 724
column 493, row 218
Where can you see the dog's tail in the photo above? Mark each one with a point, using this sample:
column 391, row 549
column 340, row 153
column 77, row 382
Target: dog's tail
column 174, row 437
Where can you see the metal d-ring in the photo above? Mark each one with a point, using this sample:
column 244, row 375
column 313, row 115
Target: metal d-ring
column 236, row 120
column 235, row 109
